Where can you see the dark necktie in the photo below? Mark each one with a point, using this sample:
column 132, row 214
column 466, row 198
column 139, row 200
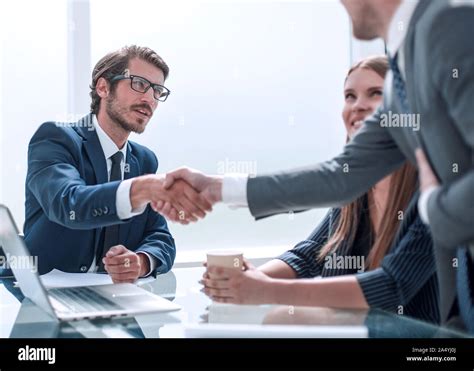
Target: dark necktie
column 399, row 84
column 401, row 91
column 111, row 233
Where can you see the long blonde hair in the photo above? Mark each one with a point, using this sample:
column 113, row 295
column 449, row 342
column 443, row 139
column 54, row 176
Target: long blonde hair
column 402, row 187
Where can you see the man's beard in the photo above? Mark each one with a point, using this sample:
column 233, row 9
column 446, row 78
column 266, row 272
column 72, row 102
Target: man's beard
column 365, row 24
column 364, row 32
column 117, row 115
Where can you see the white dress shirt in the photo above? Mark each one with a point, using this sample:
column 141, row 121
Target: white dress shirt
column 234, row 190
column 122, row 200
column 234, row 186
column 398, row 29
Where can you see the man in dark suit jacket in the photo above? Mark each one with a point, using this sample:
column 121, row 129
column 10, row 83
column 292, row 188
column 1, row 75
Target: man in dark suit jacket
column 428, row 105
column 87, row 188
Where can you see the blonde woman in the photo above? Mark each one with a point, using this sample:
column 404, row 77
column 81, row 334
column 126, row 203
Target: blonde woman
column 372, row 253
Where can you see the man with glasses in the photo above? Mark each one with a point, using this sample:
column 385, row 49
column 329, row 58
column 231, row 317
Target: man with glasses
column 88, row 187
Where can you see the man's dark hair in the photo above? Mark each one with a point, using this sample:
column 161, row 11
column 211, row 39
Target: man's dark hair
column 116, row 63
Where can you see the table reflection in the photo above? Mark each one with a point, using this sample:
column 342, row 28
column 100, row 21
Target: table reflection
column 198, row 313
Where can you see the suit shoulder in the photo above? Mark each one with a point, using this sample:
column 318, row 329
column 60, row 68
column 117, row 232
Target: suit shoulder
column 52, row 130
column 145, row 156
column 448, row 17
column 448, row 44
column 456, row 11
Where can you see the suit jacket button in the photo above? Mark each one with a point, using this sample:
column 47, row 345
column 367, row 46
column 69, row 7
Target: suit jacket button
column 99, row 212
column 94, row 212
column 106, row 210
column 84, row 269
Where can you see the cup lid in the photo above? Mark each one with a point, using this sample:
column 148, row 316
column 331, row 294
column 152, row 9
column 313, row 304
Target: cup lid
column 224, row 252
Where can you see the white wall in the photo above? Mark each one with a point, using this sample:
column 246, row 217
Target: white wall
column 34, row 80
column 363, row 49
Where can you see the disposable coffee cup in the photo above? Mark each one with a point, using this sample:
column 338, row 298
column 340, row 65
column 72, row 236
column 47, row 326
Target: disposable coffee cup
column 225, row 258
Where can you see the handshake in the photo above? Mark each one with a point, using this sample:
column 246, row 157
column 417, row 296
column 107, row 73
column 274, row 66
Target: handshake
column 183, row 195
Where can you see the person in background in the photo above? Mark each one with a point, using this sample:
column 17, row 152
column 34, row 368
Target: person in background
column 426, row 118
column 88, row 187
column 369, row 253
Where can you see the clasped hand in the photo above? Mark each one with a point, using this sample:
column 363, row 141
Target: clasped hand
column 230, row 285
column 183, row 195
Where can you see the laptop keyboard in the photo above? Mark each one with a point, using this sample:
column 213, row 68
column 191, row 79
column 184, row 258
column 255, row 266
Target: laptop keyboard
column 82, row 299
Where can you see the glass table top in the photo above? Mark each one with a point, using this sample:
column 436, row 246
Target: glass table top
column 199, row 317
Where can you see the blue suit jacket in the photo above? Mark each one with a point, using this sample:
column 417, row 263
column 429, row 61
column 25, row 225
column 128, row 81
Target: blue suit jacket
column 69, row 200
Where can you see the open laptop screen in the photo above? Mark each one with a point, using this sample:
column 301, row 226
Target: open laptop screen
column 21, row 262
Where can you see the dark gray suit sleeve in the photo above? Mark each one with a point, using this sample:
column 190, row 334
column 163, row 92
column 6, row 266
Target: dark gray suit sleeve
column 367, row 158
column 451, row 207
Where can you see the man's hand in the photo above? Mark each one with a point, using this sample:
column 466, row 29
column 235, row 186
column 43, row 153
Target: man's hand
column 239, row 287
column 209, row 187
column 125, row 266
column 425, row 173
column 185, row 204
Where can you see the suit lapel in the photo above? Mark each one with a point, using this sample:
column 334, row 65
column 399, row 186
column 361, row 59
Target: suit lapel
column 410, row 76
column 131, row 170
column 94, row 151
column 443, row 257
column 86, row 130
column 93, row 148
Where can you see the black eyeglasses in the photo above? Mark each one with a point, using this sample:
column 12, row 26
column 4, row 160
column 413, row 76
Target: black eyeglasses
column 141, row 85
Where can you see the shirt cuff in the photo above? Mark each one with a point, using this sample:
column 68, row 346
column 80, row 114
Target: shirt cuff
column 122, row 201
column 423, row 203
column 379, row 289
column 234, row 190
column 152, row 261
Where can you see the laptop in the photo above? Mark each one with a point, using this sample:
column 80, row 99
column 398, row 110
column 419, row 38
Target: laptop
column 74, row 303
